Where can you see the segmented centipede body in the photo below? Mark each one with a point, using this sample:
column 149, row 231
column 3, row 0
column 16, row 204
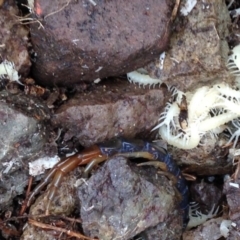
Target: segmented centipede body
column 233, row 62
column 142, row 79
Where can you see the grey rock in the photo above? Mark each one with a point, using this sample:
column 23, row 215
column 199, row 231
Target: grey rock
column 119, row 201
column 23, row 138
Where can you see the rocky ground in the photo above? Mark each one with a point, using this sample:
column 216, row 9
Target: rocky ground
column 68, row 90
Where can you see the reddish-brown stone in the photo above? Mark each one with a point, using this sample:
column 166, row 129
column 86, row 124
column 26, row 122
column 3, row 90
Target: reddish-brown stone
column 109, row 110
column 83, row 42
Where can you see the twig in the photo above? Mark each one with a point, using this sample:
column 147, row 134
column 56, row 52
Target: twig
column 59, row 10
column 24, row 205
column 236, row 173
column 68, row 232
column 175, row 9
column 28, row 20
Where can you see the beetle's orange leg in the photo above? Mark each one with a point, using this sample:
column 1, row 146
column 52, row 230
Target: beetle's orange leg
column 62, row 168
column 98, row 160
column 156, row 164
column 41, row 185
column 146, row 155
column 93, row 163
column 163, row 171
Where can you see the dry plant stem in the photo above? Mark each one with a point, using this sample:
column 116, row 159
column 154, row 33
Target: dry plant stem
column 189, row 177
column 57, row 11
column 62, row 230
column 227, row 145
column 73, row 220
column 24, row 205
column 32, row 20
column 175, row 10
column 29, row 21
column 236, row 173
column 30, row 180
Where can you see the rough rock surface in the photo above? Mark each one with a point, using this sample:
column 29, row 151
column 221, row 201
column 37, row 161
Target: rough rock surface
column 23, row 138
column 160, row 231
column 110, row 110
column 82, row 42
column 209, row 158
column 198, row 48
column 64, row 203
column 232, row 191
column 65, row 200
column 121, row 200
column 13, row 38
column 206, row 194
column 208, row 230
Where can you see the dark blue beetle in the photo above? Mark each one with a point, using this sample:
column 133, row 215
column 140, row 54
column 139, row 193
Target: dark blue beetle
column 100, row 152
column 121, row 145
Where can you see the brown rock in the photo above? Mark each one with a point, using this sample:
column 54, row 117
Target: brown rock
column 207, row 195
column 82, row 42
column 198, row 49
column 232, row 191
column 14, row 38
column 110, row 110
column 209, row 158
